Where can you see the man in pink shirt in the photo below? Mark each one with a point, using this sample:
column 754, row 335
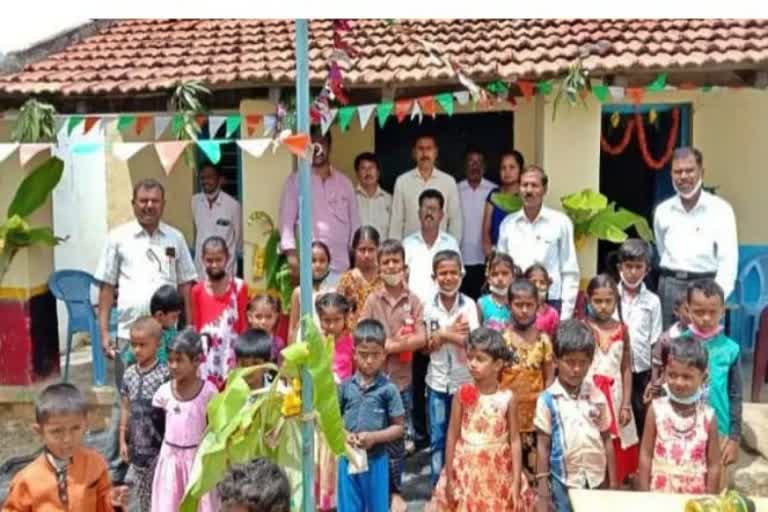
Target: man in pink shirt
column 335, row 214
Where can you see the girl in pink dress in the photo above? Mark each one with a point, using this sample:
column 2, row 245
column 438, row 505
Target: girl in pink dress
column 680, row 452
column 184, row 400
column 547, row 317
column 218, row 310
column 333, row 310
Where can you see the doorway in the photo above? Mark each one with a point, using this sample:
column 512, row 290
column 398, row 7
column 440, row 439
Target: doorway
column 625, row 174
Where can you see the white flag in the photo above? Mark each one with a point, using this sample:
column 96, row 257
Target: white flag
column 6, row 149
column 125, row 150
column 254, row 147
column 365, row 111
column 161, row 123
column 214, row 123
column 462, row 97
column 327, row 121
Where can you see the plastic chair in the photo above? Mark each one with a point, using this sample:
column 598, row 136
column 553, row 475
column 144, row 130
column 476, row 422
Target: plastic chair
column 750, row 308
column 74, row 288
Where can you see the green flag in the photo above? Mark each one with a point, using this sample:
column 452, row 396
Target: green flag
column 544, row 87
column 383, row 110
column 600, row 92
column 659, row 84
column 125, row 122
column 445, row 100
column 706, row 88
column 233, row 124
column 72, row 123
column 345, row 117
column 212, row 150
column 498, row 88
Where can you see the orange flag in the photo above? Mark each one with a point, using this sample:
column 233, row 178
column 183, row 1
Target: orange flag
column 687, row 86
column 428, row 106
column 141, row 123
column 90, row 121
column 297, row 144
column 527, row 88
column 402, row 109
column 251, row 122
column 636, row 93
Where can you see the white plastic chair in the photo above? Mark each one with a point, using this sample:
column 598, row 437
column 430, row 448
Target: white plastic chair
column 751, row 307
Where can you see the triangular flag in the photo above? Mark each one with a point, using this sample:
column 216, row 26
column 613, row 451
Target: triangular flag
column 658, row 84
column 527, row 88
column 383, row 110
column 90, row 122
column 600, row 92
column 297, row 144
column 327, row 120
column 73, row 122
column 141, row 123
column 125, row 122
column 636, row 93
column 125, row 150
column 462, row 97
column 162, row 122
column 544, row 87
column 365, row 111
column 428, row 106
column 617, row 93
column 254, row 147
column 169, row 152
column 58, row 126
column 251, row 122
column 86, row 148
column 706, row 88
column 233, row 124
column 28, row 151
column 446, row 102
column 270, row 123
column 687, row 86
column 212, row 150
column 416, row 112
column 214, row 123
column 402, row 108
column 345, row 117
column 6, row 149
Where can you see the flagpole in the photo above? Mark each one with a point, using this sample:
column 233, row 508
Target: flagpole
column 305, row 257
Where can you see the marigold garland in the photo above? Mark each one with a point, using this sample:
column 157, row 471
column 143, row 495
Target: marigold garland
column 621, row 146
column 657, row 165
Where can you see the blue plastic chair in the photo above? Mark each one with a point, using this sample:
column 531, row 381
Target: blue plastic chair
column 751, row 304
column 74, row 288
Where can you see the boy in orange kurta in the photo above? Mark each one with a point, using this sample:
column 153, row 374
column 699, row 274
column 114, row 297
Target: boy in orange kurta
column 66, row 476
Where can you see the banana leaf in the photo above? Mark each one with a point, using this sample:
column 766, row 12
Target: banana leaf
column 34, row 190
column 593, row 216
column 582, row 206
column 509, row 203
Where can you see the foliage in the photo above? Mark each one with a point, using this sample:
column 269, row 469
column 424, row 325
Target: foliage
column 245, row 424
column 187, row 106
column 593, row 216
column 36, row 122
column 572, row 87
column 277, row 273
column 33, row 192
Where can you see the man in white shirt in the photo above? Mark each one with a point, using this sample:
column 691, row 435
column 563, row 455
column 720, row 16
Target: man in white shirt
column 375, row 203
column 695, row 234
column 473, row 193
column 405, row 206
column 216, row 213
column 537, row 234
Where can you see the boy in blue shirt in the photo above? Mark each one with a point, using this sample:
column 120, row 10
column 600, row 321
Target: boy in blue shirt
column 373, row 416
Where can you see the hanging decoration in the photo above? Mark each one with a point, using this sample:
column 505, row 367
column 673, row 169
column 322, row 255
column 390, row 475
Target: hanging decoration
column 659, row 164
column 622, row 145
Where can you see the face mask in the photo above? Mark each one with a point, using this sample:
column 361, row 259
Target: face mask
column 693, row 191
column 451, row 292
column 392, row 279
column 213, row 195
column 498, row 290
column 688, row 400
column 319, row 279
column 705, row 335
column 628, row 285
column 543, row 292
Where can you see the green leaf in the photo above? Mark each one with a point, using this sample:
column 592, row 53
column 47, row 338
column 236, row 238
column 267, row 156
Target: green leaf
column 36, row 187
column 510, row 203
column 582, row 206
column 593, row 216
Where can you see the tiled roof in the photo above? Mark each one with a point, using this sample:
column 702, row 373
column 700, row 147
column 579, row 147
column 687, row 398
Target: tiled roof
column 131, row 56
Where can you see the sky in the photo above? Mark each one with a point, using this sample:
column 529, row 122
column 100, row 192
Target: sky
column 19, row 31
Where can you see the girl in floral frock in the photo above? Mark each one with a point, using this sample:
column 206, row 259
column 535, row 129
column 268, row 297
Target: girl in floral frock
column 680, row 452
column 219, row 305
column 611, row 370
column 533, row 369
column 482, row 457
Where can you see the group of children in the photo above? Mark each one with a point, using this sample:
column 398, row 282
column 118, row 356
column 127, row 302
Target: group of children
column 521, row 406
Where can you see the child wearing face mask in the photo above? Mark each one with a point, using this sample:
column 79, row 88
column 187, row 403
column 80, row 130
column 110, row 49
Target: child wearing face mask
column 321, row 268
column 547, row 317
column 641, row 311
column 533, row 368
column 493, row 307
column 449, row 318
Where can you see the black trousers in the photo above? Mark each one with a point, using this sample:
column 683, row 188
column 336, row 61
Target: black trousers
column 473, row 282
column 639, row 382
column 419, row 374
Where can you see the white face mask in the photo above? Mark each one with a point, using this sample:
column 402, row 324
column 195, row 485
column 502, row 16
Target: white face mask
column 392, row 279
column 502, row 291
column 212, row 196
column 628, row 285
column 693, row 192
column 451, row 292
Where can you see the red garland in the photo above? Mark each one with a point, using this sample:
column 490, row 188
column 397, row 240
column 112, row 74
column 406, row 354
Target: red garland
column 468, row 394
column 664, row 160
column 618, row 149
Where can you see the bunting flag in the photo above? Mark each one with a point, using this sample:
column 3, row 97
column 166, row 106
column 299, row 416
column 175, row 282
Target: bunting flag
column 90, row 122
column 600, row 92
column 125, row 150
column 383, row 110
column 28, row 151
column 254, row 147
column 214, row 123
column 327, row 120
column 445, row 100
column 125, row 122
column 402, row 108
column 659, row 84
column 86, row 148
column 416, row 112
column 365, row 112
column 58, row 126
column 73, row 122
column 251, row 122
column 345, row 117
column 141, row 123
column 162, row 122
column 527, row 88
column 297, row 144
column 211, row 148
column 428, row 106
column 617, row 93
column 233, row 125
column 462, row 97
column 544, row 87
column 636, row 93
column 6, row 149
column 169, row 153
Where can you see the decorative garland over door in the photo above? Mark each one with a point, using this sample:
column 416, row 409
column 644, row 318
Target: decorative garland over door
column 642, row 142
